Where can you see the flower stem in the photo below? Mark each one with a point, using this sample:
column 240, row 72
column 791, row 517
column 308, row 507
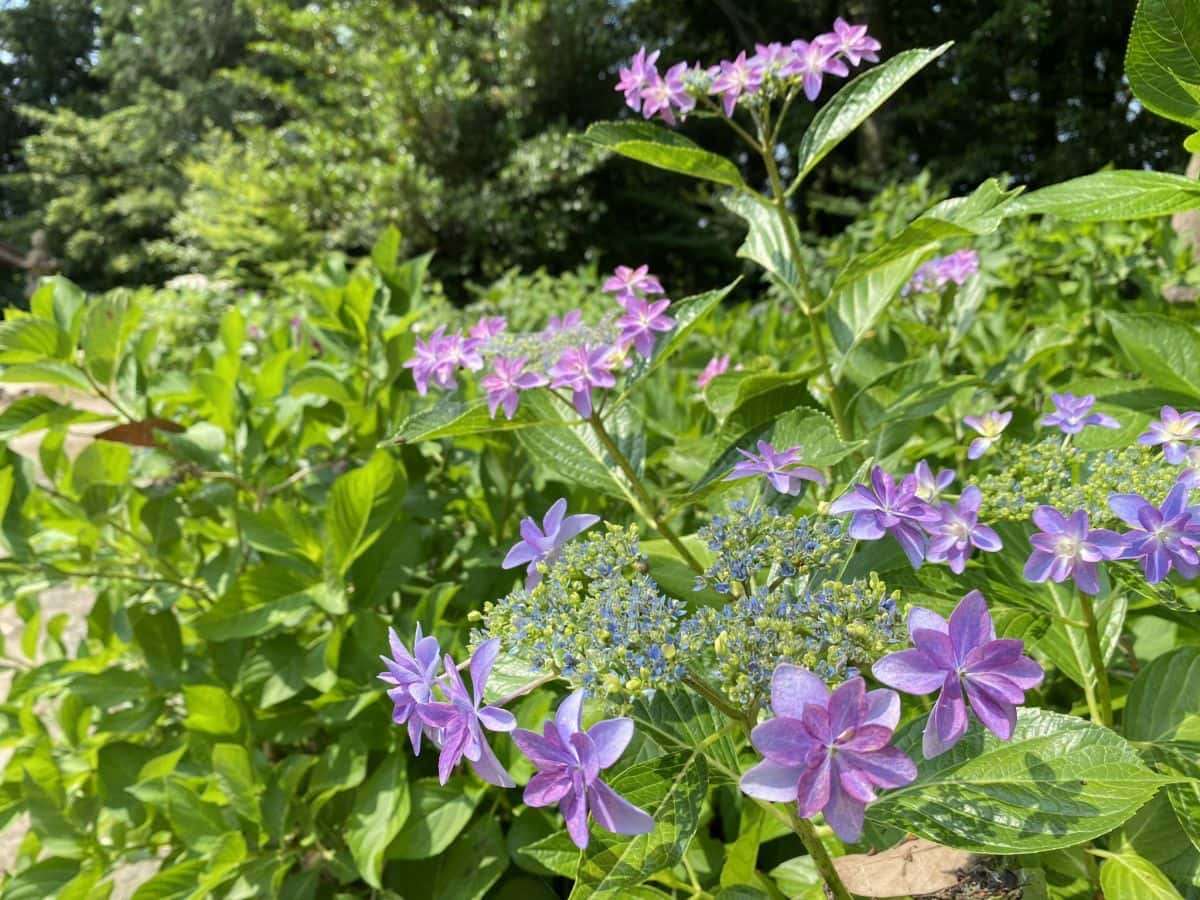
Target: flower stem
column 820, row 856
column 1102, row 691
column 647, row 502
column 709, row 693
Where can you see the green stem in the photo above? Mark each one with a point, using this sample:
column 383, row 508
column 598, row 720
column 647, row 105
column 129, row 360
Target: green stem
column 647, row 502
column 1103, row 693
column 713, row 696
column 820, row 856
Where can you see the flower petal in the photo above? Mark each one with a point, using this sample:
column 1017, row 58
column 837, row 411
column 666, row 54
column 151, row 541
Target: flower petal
column 948, row 720
column 845, row 815
column 997, row 715
column 611, row 737
column 970, row 625
column 783, row 740
column 793, row 688
column 770, row 781
column 569, row 715
column 614, row 812
column 546, row 788
column 883, row 708
column 496, row 719
column 812, row 790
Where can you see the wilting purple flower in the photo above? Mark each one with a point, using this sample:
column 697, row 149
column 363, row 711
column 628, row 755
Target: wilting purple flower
column 961, row 657
column 928, row 487
column 636, row 76
column 667, row 93
column 581, row 369
column 718, row 365
column 770, row 58
column 505, row 382
column 990, row 426
column 854, row 43
column 570, row 319
column 544, row 544
column 958, row 532
column 827, row 752
column 1067, row 548
column 1073, row 414
column 813, row 60
column 569, row 762
column 627, row 282
column 1163, row 537
column 1174, row 431
column 887, row 508
column 462, row 735
column 412, row 678
column 735, row 79
column 780, row 467
column 487, row 328
column 641, row 320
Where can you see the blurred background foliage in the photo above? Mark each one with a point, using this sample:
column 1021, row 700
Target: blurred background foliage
column 245, row 138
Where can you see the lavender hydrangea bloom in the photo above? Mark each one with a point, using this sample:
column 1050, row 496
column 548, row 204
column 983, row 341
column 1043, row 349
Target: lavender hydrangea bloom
column 735, row 79
column 813, row 60
column 990, row 426
column 959, row 532
column 543, row 544
column 1072, row 414
column 887, row 508
column 636, row 76
column 771, row 58
column 462, row 734
column 934, row 275
column 827, row 752
column 641, row 320
column 853, row 42
column 569, row 761
column 1068, row 548
column 628, row 282
column 487, row 328
column 412, row 678
column 1163, row 538
column 718, row 365
column 1174, row 431
column 581, row 369
column 557, row 325
column 964, row 659
column 505, row 382
column 929, row 487
column 439, row 356
column 667, row 93
column 780, row 467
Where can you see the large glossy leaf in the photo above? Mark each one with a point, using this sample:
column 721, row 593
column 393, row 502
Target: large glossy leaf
column 450, row 418
column 1163, row 696
column 1060, row 781
column 1126, row 874
column 767, row 240
column 381, row 807
column 680, row 719
column 438, row 814
column 1167, row 351
column 850, row 106
column 1163, row 59
column 728, row 393
column 362, row 504
column 263, row 599
column 1113, row 196
column 663, row 149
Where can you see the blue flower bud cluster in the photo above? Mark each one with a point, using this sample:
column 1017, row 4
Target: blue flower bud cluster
column 1067, row 477
column 596, row 619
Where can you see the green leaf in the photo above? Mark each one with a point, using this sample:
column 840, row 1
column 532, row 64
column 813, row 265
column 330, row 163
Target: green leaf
column 857, row 308
column 681, row 720
column 671, row 788
column 211, row 710
column 474, row 862
column 663, row 149
column 439, row 814
column 1167, row 351
column 60, row 301
column 1173, row 759
column 1060, row 781
column 728, row 393
column 1112, row 196
column 767, row 240
column 381, row 807
column 1126, row 874
column 1163, row 58
column 362, row 504
column 452, row 418
column 554, row 852
column 26, row 339
column 110, row 323
column 799, row 879
column 741, row 856
column 1163, row 696
column 1066, row 645
column 263, row 599
column 235, row 774
column 855, row 102
column 41, row 880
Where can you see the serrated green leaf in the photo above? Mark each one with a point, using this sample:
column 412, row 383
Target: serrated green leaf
column 450, row 418
column 1112, row 196
column 1163, row 58
column 1167, row 351
column 663, row 149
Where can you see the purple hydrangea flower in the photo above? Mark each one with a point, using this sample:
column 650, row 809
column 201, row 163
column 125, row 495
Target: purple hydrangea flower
column 636, row 76
column 487, row 328
column 581, row 369
column 780, row 467
column 1190, row 475
column 628, row 282
column 990, row 426
column 1073, row 414
column 665, row 94
column 827, row 752
column 1174, row 431
column 718, row 365
column 412, row 677
column 964, row 659
column 569, row 762
column 958, row 532
column 641, row 320
column 934, row 275
column 505, row 382
column 853, row 42
column 813, row 60
column 1163, row 538
column 928, row 487
column 737, row 78
column 435, row 360
column 570, row 319
column 544, row 544
column 1068, row 548
column 462, row 735
column 771, row 58
column 887, row 508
